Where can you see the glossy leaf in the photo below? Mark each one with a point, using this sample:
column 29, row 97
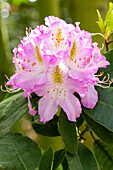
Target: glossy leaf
column 104, row 155
column 109, row 69
column 5, row 102
column 11, row 111
column 83, row 160
column 48, row 129
column 100, row 131
column 68, row 133
column 58, row 158
column 46, row 162
column 103, row 111
column 18, row 152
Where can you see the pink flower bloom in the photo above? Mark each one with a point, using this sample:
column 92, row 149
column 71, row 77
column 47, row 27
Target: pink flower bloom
column 58, row 90
column 55, row 61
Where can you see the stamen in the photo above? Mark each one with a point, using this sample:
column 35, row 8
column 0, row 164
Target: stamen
column 38, row 56
column 6, row 77
column 28, row 31
column 104, row 83
column 9, row 90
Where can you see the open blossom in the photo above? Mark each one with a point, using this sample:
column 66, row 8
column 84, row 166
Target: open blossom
column 55, row 61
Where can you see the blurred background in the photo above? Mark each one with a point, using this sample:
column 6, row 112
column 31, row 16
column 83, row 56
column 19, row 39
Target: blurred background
column 16, row 15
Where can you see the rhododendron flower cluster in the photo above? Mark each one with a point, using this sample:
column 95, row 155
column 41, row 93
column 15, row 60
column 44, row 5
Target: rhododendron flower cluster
column 55, row 61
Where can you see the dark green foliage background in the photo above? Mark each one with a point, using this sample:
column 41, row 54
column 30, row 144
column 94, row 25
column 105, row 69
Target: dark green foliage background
column 17, row 151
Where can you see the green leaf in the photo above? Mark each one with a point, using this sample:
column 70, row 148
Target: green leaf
column 65, row 164
column 68, row 133
column 100, row 22
column 79, row 122
column 18, row 152
column 58, row 158
column 103, row 111
column 83, row 160
column 104, row 155
column 100, row 131
column 109, row 68
column 48, row 129
column 5, row 102
column 46, row 162
column 11, row 112
column 74, row 162
column 109, row 19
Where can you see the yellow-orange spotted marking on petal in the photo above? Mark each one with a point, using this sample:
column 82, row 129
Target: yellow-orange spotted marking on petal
column 38, row 56
column 73, row 51
column 57, row 75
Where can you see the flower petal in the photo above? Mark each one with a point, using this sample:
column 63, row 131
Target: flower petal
column 71, row 106
column 27, row 80
column 91, row 97
column 76, row 85
column 31, row 111
column 47, row 108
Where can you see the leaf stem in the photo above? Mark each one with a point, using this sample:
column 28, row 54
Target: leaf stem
column 106, row 43
column 110, row 42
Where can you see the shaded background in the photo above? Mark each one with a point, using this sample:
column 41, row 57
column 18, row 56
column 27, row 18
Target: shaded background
column 16, row 15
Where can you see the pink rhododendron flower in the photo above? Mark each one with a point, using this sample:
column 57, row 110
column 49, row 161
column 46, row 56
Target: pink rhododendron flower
column 55, row 61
